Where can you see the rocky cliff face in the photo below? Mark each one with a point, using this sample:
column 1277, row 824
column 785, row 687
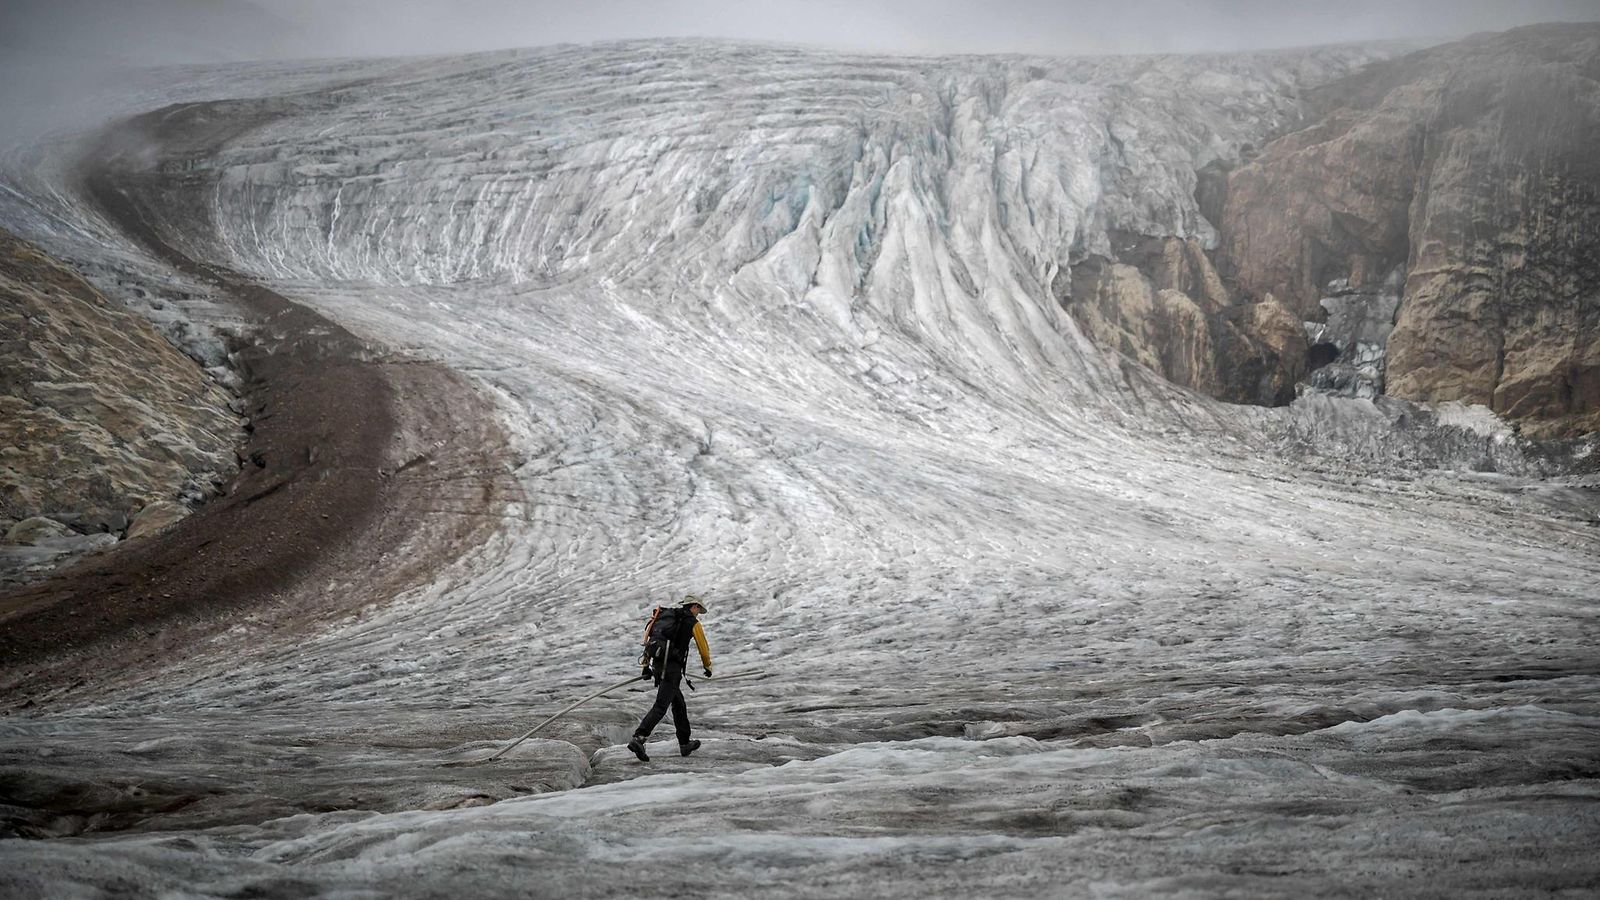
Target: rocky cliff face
column 1434, row 228
column 101, row 418
column 1162, row 303
column 1451, row 194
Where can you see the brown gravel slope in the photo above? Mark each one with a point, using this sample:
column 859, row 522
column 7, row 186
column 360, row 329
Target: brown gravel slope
column 338, row 506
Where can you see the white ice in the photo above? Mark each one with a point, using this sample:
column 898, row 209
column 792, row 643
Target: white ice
column 776, row 327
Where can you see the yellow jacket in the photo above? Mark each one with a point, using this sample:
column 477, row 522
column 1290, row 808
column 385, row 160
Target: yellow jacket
column 699, row 637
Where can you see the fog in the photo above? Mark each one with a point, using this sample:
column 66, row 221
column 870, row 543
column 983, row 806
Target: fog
column 163, row 31
column 936, row 26
column 55, row 54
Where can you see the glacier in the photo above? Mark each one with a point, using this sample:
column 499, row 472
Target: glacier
column 780, row 327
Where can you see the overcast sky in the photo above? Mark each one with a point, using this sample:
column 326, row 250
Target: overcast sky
column 141, row 31
column 943, row 26
column 56, row 55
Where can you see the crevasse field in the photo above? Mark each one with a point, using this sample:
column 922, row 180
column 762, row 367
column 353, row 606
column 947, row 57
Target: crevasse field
column 776, row 327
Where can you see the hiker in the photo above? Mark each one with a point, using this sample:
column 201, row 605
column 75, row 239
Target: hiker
column 666, row 641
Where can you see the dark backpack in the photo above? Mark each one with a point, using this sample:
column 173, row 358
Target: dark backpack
column 665, row 624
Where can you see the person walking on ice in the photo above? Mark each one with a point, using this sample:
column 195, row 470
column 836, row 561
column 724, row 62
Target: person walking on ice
column 666, row 654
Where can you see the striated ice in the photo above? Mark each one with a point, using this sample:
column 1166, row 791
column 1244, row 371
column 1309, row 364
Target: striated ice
column 777, row 327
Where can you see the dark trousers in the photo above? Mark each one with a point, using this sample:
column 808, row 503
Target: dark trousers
column 669, row 694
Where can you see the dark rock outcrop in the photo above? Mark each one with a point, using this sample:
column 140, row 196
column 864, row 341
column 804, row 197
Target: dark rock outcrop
column 1432, row 234
column 1471, row 168
column 1162, row 303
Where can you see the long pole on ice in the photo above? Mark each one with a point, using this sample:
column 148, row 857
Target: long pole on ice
column 601, row 693
column 535, row 729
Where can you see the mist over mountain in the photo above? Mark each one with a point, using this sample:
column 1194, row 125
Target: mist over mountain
column 1114, row 474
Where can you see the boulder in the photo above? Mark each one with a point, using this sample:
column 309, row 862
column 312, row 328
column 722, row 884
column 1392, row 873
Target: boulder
column 30, row 531
column 155, row 517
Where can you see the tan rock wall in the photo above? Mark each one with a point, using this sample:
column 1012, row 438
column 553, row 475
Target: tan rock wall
column 1476, row 166
column 1326, row 203
column 99, row 414
column 1168, row 310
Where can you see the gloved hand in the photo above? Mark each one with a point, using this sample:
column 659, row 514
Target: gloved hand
column 645, row 674
column 707, row 671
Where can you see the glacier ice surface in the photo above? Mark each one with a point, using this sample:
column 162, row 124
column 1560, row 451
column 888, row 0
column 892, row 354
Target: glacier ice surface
column 775, row 326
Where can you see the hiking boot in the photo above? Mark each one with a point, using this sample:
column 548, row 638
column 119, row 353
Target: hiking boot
column 637, row 746
column 686, row 749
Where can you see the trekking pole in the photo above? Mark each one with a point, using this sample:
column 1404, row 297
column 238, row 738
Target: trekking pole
column 630, row 680
column 532, row 731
